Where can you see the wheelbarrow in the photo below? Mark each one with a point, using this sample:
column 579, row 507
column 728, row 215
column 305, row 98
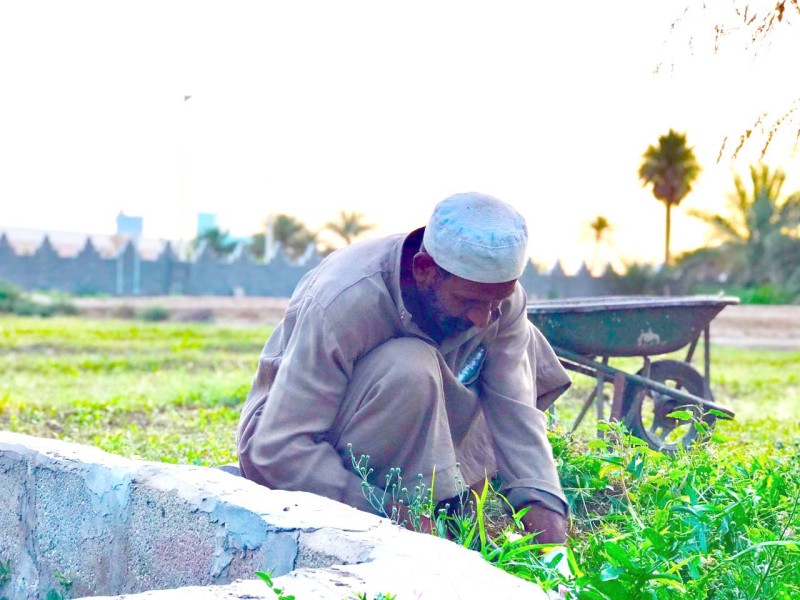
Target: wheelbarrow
column 665, row 400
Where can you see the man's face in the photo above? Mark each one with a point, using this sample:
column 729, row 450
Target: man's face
column 454, row 305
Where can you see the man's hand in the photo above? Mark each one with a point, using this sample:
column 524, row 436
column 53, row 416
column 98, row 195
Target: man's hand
column 550, row 525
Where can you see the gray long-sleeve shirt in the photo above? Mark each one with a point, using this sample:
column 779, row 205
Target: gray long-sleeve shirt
column 345, row 307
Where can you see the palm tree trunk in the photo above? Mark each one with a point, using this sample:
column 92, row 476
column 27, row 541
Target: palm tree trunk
column 666, row 236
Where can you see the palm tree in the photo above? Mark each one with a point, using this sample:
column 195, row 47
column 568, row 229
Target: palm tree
column 671, row 168
column 760, row 236
column 292, row 234
column 349, row 226
column 218, row 240
column 600, row 226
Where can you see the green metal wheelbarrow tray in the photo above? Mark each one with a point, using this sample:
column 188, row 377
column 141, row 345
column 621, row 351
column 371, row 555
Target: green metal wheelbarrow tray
column 586, row 332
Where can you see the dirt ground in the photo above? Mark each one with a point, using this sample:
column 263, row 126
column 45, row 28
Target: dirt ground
column 755, row 326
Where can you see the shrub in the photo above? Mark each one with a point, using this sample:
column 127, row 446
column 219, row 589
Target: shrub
column 154, row 313
column 712, row 521
column 9, row 293
column 26, row 304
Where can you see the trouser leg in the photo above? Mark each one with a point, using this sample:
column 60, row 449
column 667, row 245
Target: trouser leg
column 395, row 412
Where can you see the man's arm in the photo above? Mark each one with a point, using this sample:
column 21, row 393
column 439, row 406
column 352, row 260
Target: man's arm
column 524, row 455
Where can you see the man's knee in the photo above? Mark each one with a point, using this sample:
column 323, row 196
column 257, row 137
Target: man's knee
column 403, row 364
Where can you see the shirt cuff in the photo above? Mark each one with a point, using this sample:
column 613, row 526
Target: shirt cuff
column 519, row 497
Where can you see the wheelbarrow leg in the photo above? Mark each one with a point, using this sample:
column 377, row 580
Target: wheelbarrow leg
column 598, row 397
column 619, row 394
column 588, row 403
column 706, row 358
column 707, row 361
column 595, row 396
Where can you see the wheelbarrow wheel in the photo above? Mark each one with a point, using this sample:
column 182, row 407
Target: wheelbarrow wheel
column 647, row 410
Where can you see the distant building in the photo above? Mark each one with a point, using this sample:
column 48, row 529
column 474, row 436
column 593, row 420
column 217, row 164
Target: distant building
column 129, row 226
column 206, row 222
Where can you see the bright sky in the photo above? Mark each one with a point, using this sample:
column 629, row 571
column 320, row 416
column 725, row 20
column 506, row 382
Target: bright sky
column 307, row 108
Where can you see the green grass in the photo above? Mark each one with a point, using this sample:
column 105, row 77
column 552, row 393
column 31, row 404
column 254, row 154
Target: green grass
column 154, row 391
column 717, row 521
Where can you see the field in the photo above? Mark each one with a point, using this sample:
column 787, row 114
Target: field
column 718, row 521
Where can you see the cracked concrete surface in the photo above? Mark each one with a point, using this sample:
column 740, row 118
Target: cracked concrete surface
column 134, row 529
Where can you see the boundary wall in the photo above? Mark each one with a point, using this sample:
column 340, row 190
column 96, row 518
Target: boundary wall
column 129, row 274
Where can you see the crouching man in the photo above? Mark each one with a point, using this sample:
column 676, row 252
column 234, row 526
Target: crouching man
column 416, row 350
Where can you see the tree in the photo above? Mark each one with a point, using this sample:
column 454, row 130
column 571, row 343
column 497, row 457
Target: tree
column 292, row 234
column 671, row 168
column 288, row 231
column 600, row 226
column 760, row 236
column 753, row 25
column 349, row 226
column 217, row 240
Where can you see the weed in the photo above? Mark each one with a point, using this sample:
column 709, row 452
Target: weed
column 5, row 572
column 709, row 521
column 266, row 578
column 65, row 583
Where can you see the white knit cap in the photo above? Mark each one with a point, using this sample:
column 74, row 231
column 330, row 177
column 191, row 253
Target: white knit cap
column 477, row 237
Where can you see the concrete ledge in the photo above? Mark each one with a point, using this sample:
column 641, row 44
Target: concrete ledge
column 117, row 526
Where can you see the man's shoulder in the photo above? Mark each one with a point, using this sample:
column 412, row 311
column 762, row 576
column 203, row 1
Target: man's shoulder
column 354, row 283
column 351, row 292
column 350, row 275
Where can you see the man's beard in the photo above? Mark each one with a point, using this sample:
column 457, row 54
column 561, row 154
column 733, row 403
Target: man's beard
column 435, row 320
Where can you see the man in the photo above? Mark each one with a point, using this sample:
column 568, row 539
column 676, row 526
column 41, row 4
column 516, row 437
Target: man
column 416, row 351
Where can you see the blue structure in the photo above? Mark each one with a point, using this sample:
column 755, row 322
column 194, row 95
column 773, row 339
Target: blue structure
column 128, row 273
column 206, row 222
column 129, row 226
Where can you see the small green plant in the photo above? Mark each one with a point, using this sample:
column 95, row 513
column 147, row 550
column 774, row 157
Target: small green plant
column 380, row 596
column 266, row 578
column 65, row 583
column 15, row 301
column 5, row 572
column 394, row 500
column 9, row 293
column 154, row 313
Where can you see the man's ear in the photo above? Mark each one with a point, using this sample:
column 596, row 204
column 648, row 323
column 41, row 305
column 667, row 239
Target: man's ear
column 424, row 268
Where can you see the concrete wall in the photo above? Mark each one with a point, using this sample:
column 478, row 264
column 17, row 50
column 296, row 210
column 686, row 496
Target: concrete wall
column 117, row 526
column 128, row 274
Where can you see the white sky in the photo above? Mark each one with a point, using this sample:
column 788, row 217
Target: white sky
column 307, row 108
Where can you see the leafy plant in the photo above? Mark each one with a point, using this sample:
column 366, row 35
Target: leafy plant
column 394, row 500
column 65, row 583
column 266, row 578
column 14, row 300
column 5, row 572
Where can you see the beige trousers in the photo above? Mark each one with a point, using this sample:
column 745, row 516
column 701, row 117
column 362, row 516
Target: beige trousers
column 405, row 408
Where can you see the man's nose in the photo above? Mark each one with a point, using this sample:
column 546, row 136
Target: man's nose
column 479, row 316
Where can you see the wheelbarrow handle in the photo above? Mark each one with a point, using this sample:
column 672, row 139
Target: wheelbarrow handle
column 642, row 381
